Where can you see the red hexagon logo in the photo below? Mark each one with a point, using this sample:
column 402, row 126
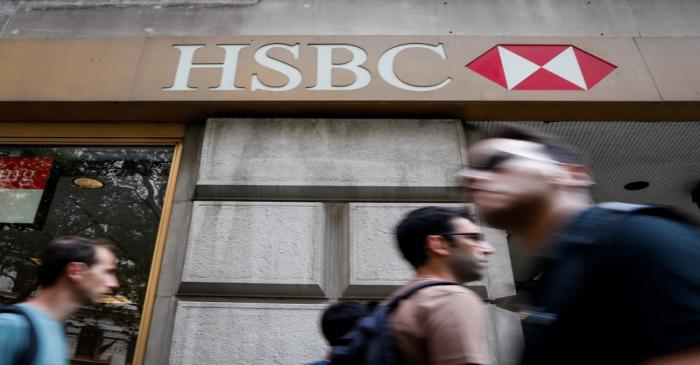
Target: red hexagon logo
column 541, row 67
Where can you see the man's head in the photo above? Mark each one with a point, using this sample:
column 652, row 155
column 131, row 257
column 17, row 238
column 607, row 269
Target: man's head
column 86, row 266
column 445, row 238
column 516, row 173
column 339, row 319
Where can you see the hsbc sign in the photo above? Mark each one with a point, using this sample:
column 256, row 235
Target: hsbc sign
column 324, row 67
column 513, row 66
column 333, row 72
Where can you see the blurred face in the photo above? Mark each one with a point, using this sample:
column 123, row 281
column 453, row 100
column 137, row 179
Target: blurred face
column 468, row 254
column 99, row 279
column 508, row 180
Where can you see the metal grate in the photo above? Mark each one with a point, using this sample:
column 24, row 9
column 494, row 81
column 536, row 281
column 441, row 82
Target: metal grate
column 666, row 154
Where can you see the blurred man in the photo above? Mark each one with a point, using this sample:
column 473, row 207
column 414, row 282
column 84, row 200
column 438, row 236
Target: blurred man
column 441, row 324
column 621, row 284
column 74, row 271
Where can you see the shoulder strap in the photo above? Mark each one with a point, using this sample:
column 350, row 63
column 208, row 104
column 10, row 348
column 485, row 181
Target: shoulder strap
column 27, row 356
column 412, row 290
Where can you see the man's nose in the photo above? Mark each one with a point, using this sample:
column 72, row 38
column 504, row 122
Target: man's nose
column 470, row 177
column 486, row 247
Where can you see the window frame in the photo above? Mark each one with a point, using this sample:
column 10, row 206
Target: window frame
column 115, row 134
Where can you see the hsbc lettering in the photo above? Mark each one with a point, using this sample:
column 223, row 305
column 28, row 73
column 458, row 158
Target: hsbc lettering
column 324, row 67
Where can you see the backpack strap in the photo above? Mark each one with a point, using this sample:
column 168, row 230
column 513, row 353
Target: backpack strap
column 27, row 356
column 394, row 302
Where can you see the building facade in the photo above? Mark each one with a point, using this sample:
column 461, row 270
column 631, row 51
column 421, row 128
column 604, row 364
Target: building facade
column 250, row 158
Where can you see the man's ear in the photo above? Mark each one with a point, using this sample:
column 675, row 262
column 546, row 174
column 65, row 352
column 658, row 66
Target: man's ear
column 436, row 245
column 75, row 270
column 577, row 176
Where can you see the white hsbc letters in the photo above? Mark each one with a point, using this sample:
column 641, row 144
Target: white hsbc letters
column 292, row 73
column 324, row 67
column 228, row 68
column 385, row 66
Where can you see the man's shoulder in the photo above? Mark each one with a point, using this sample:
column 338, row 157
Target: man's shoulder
column 11, row 327
column 16, row 315
column 10, row 320
column 652, row 224
column 650, row 234
column 25, row 317
column 639, row 228
column 634, row 240
column 445, row 295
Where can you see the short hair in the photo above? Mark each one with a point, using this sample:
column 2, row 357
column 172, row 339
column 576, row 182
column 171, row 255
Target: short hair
column 413, row 229
column 339, row 319
column 553, row 147
column 61, row 251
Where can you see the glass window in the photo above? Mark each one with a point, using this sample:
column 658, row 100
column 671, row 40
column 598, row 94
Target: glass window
column 99, row 192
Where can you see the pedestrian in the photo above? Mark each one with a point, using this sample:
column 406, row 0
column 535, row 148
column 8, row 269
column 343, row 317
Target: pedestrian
column 74, row 271
column 621, row 283
column 441, row 324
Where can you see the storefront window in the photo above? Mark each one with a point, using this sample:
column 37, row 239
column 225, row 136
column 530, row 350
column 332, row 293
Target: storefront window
column 107, row 192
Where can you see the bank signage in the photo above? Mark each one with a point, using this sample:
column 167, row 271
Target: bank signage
column 321, row 69
column 515, row 67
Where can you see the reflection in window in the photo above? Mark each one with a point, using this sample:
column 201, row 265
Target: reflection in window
column 88, row 340
column 101, row 192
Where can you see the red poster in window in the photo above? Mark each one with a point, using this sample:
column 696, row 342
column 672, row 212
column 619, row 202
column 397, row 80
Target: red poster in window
column 22, row 183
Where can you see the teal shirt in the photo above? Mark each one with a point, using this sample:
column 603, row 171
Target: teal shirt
column 14, row 337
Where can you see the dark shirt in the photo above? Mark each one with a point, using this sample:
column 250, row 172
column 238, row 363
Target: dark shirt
column 632, row 294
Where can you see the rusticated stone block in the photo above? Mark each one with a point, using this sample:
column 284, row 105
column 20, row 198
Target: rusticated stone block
column 330, row 159
column 217, row 333
column 376, row 266
column 255, row 248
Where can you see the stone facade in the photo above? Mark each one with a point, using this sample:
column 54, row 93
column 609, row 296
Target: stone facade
column 262, row 260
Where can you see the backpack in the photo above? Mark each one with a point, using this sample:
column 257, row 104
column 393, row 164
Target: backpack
column 27, row 357
column 371, row 342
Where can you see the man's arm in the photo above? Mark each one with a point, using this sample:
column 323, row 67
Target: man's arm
column 11, row 340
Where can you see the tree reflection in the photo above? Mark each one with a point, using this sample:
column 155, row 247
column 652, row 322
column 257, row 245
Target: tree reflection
column 126, row 210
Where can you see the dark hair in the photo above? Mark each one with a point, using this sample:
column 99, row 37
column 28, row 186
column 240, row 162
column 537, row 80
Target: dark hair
column 339, row 319
column 553, row 147
column 61, row 251
column 421, row 223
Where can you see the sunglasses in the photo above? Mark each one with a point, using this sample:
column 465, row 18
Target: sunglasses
column 494, row 161
column 472, row 235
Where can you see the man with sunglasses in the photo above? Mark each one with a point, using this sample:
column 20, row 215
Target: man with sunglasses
column 620, row 284
column 442, row 324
